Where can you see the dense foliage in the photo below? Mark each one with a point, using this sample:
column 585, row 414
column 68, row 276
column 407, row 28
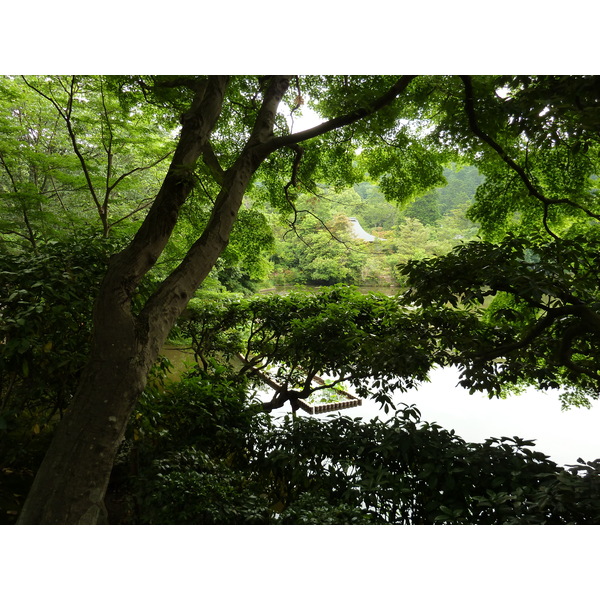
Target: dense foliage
column 204, row 456
column 72, row 156
column 542, row 327
column 370, row 341
column 202, row 182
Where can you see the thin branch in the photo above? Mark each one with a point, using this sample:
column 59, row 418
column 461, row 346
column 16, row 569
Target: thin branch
column 537, row 328
column 108, row 150
column 544, row 323
column 66, row 115
column 325, row 226
column 298, row 103
column 133, row 212
column 292, row 225
column 546, row 225
column 293, row 182
column 205, row 189
column 9, row 173
column 18, row 233
column 128, row 173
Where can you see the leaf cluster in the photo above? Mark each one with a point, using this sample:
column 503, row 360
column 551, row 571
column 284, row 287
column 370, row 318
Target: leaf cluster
column 532, row 309
column 370, row 341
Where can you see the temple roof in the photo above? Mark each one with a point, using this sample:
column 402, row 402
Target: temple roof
column 359, row 232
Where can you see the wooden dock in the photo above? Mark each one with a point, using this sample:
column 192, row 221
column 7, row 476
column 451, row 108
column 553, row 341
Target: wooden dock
column 325, row 407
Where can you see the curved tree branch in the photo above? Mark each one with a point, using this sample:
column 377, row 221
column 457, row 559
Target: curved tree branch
column 567, row 350
column 531, row 188
column 341, row 121
column 587, row 319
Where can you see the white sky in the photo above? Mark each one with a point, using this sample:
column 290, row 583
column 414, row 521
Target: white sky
column 429, row 37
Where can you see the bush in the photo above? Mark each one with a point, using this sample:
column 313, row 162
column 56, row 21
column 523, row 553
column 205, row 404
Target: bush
column 46, row 301
column 211, row 458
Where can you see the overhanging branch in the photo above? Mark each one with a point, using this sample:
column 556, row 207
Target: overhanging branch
column 487, row 139
column 338, row 122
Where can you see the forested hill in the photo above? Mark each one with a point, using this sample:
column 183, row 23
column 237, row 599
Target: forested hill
column 319, row 248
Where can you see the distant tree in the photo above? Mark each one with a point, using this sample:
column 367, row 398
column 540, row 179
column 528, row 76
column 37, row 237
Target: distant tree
column 462, row 184
column 320, row 253
column 425, row 209
column 376, row 210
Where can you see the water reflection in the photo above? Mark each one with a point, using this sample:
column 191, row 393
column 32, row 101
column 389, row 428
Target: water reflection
column 364, row 289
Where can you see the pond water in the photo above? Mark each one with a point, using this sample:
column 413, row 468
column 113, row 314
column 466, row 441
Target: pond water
column 565, row 436
column 286, row 289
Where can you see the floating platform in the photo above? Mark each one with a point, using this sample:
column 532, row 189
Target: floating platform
column 325, row 407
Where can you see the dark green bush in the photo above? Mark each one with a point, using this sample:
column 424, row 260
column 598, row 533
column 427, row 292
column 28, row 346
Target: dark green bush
column 211, row 458
column 46, row 301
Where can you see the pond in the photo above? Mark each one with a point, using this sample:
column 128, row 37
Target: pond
column 533, row 415
column 286, row 289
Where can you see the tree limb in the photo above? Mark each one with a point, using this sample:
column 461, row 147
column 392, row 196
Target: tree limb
column 531, row 188
column 566, row 351
column 341, row 121
column 212, row 162
column 131, row 264
column 551, row 316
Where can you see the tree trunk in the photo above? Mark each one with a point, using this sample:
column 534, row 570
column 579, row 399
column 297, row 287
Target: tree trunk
column 70, row 485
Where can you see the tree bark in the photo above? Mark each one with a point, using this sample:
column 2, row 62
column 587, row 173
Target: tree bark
column 70, row 485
